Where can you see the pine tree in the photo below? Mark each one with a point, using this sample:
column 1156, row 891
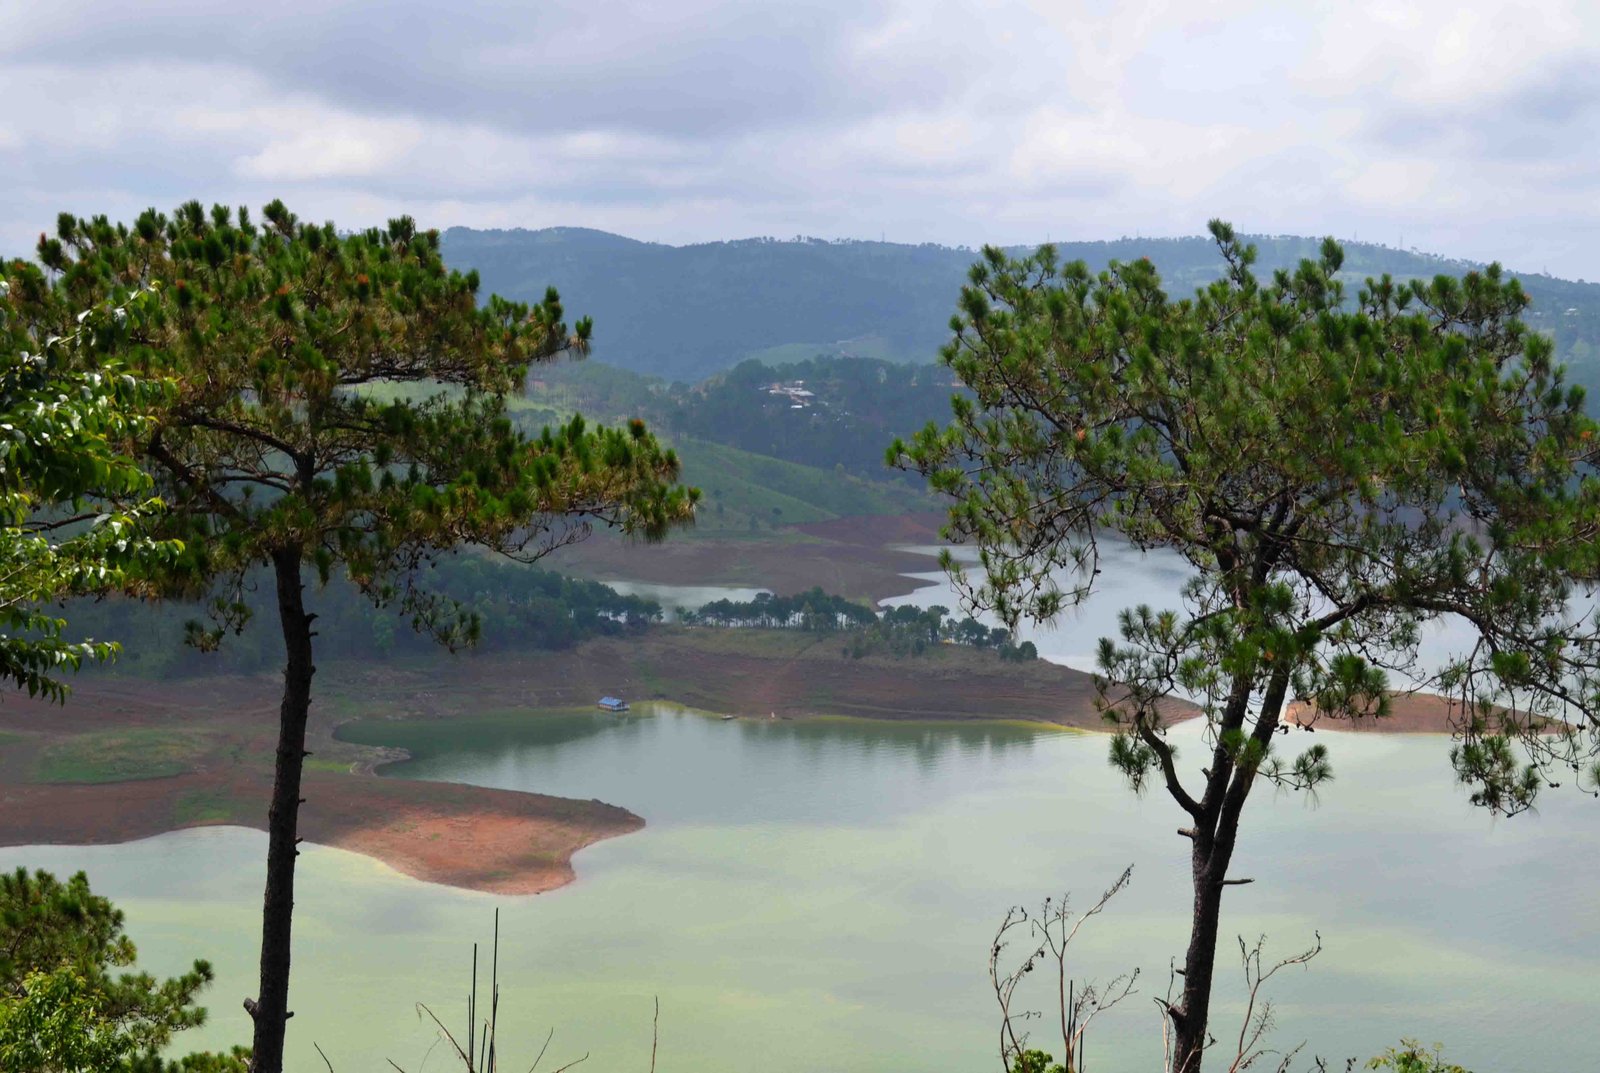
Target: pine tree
column 62, row 1004
column 1338, row 474
column 338, row 404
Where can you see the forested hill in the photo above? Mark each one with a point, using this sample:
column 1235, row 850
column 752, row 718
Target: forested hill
column 685, row 312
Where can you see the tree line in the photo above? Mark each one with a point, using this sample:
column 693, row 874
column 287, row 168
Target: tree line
column 858, row 404
column 899, row 631
column 498, row 606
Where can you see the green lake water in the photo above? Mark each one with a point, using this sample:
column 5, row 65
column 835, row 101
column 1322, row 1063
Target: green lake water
column 821, row 896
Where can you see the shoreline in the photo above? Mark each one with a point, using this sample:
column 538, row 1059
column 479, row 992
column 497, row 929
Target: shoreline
column 477, row 838
column 128, row 759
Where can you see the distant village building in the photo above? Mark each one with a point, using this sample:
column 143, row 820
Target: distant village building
column 795, row 391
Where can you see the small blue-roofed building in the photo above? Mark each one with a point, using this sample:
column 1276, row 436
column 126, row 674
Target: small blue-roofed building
column 613, row 704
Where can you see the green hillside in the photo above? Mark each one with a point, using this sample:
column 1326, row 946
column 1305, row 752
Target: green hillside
column 744, row 492
column 686, row 312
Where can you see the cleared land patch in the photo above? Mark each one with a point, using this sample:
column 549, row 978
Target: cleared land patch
column 122, row 755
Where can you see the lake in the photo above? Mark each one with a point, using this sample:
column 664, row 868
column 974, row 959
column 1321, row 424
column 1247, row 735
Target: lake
column 822, row 896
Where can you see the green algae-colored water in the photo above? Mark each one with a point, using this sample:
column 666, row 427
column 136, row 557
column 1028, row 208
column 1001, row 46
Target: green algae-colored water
column 821, row 896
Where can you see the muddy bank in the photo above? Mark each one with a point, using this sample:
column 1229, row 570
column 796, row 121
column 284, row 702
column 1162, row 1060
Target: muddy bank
column 755, row 673
column 854, row 557
column 65, row 778
column 1409, row 713
column 127, row 758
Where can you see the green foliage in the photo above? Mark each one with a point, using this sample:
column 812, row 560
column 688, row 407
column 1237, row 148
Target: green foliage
column 911, row 631
column 814, row 611
column 273, row 449
column 504, row 605
column 1036, row 1061
column 266, row 444
column 53, row 1022
column 900, row 631
column 685, row 313
column 689, row 311
column 856, row 405
column 744, row 488
column 62, row 1008
column 1339, row 475
column 70, row 502
column 1412, row 1057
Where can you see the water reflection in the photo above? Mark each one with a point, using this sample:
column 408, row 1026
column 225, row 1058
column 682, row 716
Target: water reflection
column 639, row 760
column 829, row 890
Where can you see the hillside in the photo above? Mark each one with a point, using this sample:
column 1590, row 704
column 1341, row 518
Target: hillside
column 748, row 492
column 685, row 312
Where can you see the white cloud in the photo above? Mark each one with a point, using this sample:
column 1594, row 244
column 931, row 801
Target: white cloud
column 1464, row 126
column 330, row 149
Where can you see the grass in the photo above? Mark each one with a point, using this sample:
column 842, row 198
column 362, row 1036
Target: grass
column 746, row 495
column 751, row 488
column 121, row 756
column 322, row 763
column 202, row 806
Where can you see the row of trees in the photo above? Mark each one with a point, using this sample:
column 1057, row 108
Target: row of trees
column 503, row 606
column 815, row 611
column 910, row 631
column 901, row 631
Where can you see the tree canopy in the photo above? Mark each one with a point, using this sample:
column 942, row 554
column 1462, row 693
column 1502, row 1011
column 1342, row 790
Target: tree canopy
column 1338, row 471
column 63, row 1006
column 270, row 334
column 305, row 428
column 70, row 500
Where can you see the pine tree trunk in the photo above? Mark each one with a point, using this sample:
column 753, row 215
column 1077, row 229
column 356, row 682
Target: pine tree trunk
column 1190, row 1025
column 271, row 1009
column 1216, row 833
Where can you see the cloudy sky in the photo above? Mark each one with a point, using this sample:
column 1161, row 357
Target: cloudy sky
column 1462, row 127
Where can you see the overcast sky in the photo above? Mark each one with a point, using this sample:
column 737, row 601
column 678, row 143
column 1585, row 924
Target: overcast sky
column 1460, row 127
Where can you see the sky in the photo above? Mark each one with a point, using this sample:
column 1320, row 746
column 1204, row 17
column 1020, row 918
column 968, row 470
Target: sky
column 1459, row 127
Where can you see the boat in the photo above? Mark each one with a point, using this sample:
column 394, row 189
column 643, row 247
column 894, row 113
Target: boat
column 613, row 704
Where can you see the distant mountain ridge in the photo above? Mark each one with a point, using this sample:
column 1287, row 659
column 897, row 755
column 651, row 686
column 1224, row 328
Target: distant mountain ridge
column 686, row 312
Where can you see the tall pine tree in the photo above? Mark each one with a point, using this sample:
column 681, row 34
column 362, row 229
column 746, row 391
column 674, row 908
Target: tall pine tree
column 1338, row 474
column 338, row 405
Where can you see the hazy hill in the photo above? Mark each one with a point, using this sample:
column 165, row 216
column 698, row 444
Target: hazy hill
column 684, row 312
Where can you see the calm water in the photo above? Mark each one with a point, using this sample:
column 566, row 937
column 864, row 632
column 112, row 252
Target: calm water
column 821, row 896
column 1129, row 578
